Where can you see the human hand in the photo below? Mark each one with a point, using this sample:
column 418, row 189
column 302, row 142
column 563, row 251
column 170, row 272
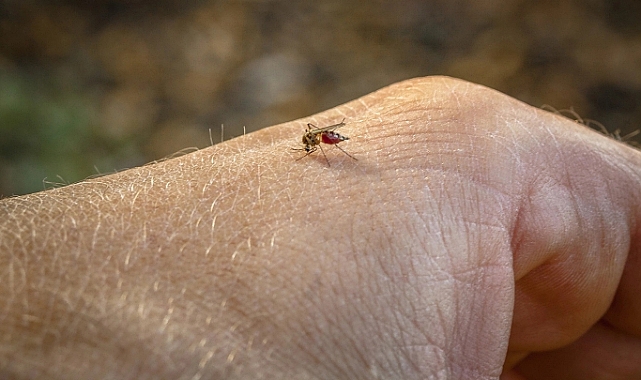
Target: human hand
column 472, row 228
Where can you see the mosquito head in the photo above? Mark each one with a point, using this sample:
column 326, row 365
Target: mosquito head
column 310, row 139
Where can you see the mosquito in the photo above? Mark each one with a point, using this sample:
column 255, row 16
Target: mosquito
column 314, row 136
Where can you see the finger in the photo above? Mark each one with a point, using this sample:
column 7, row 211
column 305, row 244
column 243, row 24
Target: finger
column 625, row 311
column 602, row 353
column 577, row 225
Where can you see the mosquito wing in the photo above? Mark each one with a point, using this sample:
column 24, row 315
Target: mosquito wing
column 315, row 130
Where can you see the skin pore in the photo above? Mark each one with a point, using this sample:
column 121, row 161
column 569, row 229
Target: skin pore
column 471, row 228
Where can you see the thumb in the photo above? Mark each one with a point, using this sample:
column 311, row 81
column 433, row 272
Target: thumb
column 576, row 241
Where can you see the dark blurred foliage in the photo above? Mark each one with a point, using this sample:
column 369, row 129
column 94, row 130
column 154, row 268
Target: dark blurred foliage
column 89, row 87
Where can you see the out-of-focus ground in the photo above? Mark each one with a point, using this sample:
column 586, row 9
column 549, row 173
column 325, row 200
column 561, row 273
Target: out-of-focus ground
column 89, row 87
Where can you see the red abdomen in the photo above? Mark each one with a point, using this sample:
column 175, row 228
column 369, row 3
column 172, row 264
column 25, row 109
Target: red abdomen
column 332, row 137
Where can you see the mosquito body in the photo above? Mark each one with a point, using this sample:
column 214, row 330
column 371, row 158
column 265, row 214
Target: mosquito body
column 314, row 136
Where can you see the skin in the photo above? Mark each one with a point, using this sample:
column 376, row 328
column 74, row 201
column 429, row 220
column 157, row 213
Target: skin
column 474, row 237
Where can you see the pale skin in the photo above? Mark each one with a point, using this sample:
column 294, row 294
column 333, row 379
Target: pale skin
column 475, row 237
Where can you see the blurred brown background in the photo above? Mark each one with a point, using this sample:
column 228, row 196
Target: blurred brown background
column 89, row 87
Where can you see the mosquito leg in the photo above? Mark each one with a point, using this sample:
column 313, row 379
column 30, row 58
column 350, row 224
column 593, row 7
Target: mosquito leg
column 343, row 150
column 312, row 150
column 324, row 155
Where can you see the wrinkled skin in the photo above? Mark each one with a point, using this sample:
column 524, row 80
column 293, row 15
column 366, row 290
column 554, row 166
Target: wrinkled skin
column 474, row 237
